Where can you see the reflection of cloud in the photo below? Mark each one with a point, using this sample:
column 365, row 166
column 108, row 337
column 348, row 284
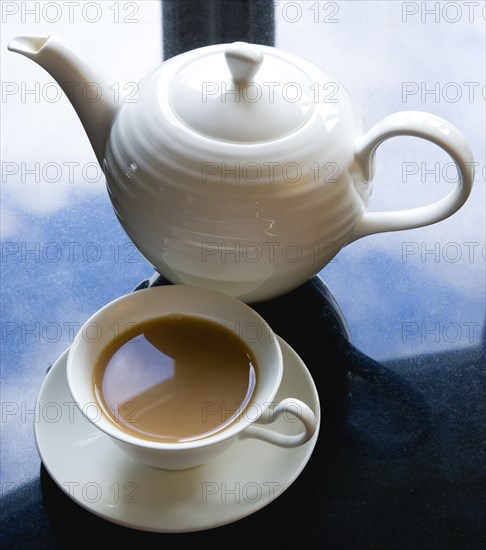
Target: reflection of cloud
column 443, row 253
column 44, row 183
column 46, row 157
column 375, row 65
column 397, row 309
column 10, row 223
column 128, row 377
column 56, row 273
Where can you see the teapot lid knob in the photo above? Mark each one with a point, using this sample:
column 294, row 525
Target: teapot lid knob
column 243, row 60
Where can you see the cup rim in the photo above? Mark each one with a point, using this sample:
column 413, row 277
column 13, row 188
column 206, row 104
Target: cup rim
column 108, row 426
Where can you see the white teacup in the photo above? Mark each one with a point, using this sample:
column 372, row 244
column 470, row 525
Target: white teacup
column 144, row 305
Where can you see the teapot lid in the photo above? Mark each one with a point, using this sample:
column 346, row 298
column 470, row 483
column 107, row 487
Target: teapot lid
column 242, row 94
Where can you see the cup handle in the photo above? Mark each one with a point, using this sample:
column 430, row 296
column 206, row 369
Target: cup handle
column 429, row 127
column 296, row 409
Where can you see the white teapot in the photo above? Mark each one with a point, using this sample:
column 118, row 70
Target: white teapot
column 238, row 167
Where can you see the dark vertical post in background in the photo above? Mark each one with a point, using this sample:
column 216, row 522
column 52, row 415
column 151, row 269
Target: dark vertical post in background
column 189, row 24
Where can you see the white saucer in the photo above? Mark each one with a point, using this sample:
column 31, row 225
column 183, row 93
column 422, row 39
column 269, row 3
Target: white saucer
column 98, row 476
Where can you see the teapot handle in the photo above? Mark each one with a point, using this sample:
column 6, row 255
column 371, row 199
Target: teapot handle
column 434, row 129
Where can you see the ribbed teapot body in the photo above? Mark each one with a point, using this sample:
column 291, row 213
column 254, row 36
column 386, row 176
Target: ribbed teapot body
column 252, row 219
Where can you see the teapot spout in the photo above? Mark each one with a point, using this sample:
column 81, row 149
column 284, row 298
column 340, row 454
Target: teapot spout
column 86, row 86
